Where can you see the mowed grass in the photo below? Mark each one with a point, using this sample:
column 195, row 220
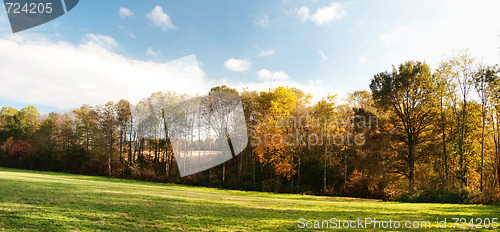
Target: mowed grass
column 43, row 201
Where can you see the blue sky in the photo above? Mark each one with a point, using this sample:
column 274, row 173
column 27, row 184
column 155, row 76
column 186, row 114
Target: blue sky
column 319, row 46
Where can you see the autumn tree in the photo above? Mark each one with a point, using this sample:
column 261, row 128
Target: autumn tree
column 445, row 94
column 407, row 92
column 249, row 100
column 296, row 127
column 87, row 120
column 461, row 66
column 123, row 117
column 108, row 124
column 19, row 123
column 16, row 130
column 494, row 90
column 482, row 78
column 323, row 115
column 276, row 105
column 45, row 141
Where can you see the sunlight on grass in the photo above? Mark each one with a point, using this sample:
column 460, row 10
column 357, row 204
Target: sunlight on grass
column 42, row 201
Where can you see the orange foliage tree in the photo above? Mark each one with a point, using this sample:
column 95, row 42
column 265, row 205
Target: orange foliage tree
column 271, row 145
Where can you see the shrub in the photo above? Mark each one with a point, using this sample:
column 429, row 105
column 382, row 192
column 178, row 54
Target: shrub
column 488, row 197
column 457, row 196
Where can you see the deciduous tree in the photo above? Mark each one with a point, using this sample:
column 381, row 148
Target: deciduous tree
column 407, row 92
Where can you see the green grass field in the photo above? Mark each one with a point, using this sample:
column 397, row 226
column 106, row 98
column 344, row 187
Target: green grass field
column 43, row 201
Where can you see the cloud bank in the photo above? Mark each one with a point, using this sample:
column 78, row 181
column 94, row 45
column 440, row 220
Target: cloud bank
column 63, row 75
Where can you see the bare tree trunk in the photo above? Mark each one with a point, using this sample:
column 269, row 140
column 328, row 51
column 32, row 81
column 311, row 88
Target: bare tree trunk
column 110, row 152
column 141, row 150
column 298, row 174
column 325, row 187
column 482, row 149
column 223, row 172
column 210, row 150
column 445, row 155
column 109, row 164
column 199, row 145
column 121, row 145
column 461, row 146
column 253, row 172
column 291, row 164
column 497, row 150
column 130, row 144
column 240, row 166
column 411, row 164
column 345, row 172
column 324, row 177
column 168, row 145
column 498, row 168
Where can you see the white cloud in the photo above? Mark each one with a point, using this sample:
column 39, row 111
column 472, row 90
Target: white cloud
column 102, row 41
column 151, row 52
column 265, row 74
column 264, row 21
column 322, row 55
column 160, row 19
column 132, row 35
column 237, row 65
column 303, row 13
column 397, row 36
column 96, row 74
column 125, row 12
column 323, row 15
column 88, row 73
column 266, row 52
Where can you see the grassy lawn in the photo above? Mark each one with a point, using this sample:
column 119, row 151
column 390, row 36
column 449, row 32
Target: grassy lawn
column 43, row 201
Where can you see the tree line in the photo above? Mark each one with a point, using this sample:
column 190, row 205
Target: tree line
column 417, row 130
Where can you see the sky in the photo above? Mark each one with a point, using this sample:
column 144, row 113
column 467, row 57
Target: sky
column 108, row 50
